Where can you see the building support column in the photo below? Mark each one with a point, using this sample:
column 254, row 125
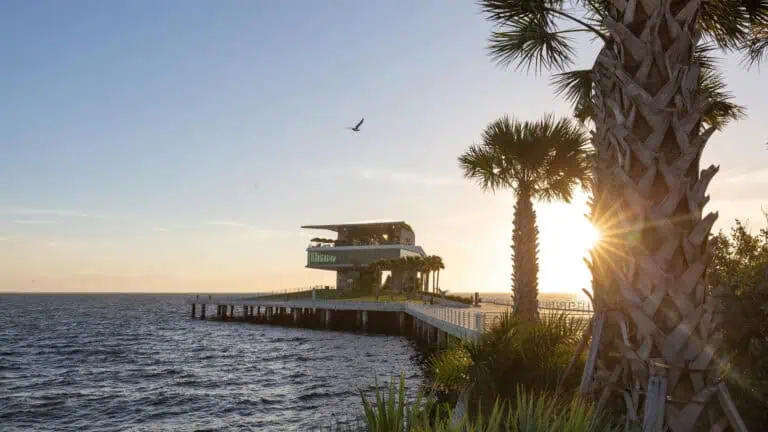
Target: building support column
column 202, row 311
column 193, row 310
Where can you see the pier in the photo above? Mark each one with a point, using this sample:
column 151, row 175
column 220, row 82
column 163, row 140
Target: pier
column 431, row 324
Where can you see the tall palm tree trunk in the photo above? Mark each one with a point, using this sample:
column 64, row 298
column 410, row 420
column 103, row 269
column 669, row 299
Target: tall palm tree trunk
column 525, row 264
column 660, row 330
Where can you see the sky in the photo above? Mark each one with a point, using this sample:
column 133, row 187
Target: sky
column 178, row 146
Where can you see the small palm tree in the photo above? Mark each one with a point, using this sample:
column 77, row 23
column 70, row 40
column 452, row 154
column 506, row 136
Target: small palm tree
column 437, row 265
column 543, row 160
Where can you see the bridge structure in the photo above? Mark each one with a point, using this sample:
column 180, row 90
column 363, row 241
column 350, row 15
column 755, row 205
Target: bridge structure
column 432, row 323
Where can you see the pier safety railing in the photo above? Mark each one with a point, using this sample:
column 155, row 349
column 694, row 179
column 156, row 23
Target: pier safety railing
column 459, row 317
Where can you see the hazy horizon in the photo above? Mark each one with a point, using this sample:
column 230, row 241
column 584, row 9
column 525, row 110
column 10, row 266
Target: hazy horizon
column 179, row 146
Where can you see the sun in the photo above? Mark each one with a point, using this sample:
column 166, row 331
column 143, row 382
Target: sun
column 590, row 235
column 565, row 239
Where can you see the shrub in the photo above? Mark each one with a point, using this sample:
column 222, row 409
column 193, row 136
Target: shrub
column 739, row 278
column 512, row 353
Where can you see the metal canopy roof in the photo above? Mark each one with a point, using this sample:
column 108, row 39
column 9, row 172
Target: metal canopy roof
column 346, row 226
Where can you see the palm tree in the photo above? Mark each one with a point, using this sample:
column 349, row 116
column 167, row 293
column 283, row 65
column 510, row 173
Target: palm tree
column 543, row 160
column 654, row 98
column 437, row 265
column 412, row 264
column 396, row 266
column 377, row 267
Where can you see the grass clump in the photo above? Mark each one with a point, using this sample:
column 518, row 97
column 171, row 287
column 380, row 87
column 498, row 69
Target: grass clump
column 528, row 412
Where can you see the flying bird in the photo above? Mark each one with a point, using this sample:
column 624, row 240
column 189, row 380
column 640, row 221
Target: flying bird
column 357, row 126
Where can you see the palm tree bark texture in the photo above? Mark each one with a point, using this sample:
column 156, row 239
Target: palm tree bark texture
column 525, row 262
column 659, row 345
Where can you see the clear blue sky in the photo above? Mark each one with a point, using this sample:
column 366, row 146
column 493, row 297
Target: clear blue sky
column 179, row 145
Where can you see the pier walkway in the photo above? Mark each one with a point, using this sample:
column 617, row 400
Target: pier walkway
column 432, row 322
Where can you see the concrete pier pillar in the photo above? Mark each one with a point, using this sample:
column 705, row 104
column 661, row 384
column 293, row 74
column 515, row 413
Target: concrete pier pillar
column 365, row 320
column 401, row 321
column 231, row 310
column 440, row 337
column 193, row 310
column 251, row 312
column 295, row 316
column 202, row 311
column 218, row 311
column 245, row 312
column 327, row 318
column 224, row 312
column 258, row 311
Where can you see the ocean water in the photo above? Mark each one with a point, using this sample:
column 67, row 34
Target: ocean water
column 139, row 363
column 505, row 297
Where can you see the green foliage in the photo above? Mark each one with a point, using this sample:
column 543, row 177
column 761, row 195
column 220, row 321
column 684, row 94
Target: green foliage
column 530, row 411
column 512, row 353
column 739, row 276
column 548, row 158
column 392, row 413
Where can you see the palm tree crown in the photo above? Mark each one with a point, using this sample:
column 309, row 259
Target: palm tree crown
column 548, row 158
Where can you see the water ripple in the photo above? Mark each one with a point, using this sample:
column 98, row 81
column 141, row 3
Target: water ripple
column 137, row 362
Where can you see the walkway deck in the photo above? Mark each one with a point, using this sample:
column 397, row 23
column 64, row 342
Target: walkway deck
column 458, row 322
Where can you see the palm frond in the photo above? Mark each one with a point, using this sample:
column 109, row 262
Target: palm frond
column 576, row 87
column 756, row 47
column 532, row 44
column 481, row 165
column 703, row 54
column 724, row 22
column 723, row 110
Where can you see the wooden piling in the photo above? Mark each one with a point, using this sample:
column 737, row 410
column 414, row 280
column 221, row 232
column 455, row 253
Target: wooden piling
column 202, row 311
column 193, row 311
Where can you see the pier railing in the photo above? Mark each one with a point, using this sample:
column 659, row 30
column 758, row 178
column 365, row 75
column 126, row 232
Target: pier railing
column 455, row 316
column 460, row 322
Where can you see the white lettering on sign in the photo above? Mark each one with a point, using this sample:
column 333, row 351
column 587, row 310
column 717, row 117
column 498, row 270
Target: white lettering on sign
column 321, row 258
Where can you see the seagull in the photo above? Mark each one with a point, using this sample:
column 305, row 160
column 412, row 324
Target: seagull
column 357, row 126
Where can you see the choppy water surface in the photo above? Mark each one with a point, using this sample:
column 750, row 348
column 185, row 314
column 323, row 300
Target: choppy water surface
column 137, row 362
